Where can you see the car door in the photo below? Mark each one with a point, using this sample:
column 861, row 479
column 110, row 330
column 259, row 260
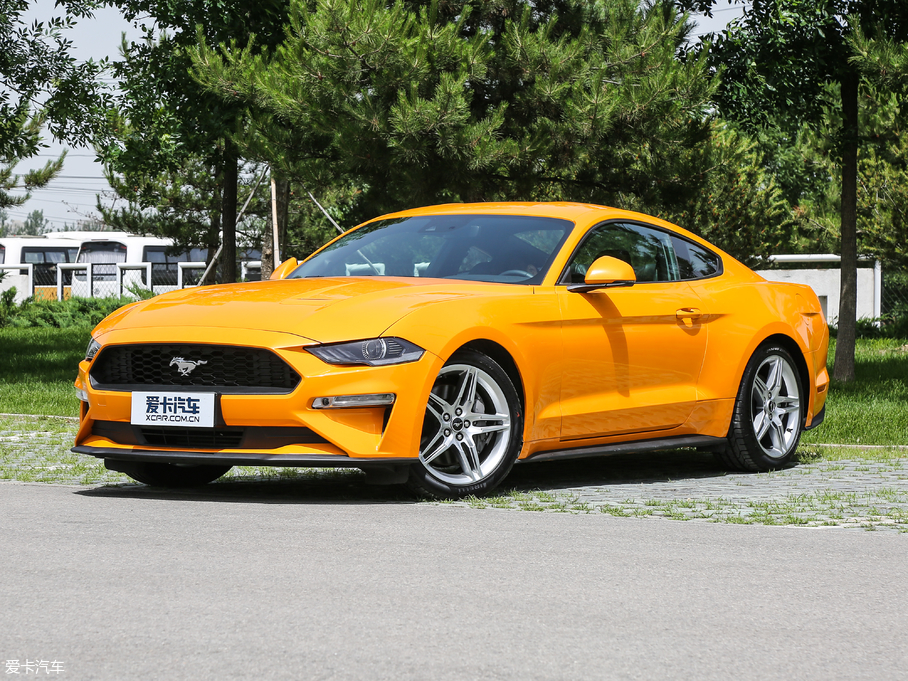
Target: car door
column 632, row 355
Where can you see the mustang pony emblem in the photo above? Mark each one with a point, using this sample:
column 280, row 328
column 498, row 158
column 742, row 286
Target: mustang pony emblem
column 186, row 366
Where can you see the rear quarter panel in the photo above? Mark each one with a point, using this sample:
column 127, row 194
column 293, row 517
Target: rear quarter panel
column 745, row 310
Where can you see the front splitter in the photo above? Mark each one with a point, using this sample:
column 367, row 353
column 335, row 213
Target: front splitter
column 239, row 458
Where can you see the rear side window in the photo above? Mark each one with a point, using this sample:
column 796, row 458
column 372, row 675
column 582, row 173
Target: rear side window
column 695, row 262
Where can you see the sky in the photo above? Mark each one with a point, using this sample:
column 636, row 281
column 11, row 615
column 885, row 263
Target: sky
column 71, row 196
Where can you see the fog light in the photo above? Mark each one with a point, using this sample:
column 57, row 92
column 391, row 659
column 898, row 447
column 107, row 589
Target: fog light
column 348, row 401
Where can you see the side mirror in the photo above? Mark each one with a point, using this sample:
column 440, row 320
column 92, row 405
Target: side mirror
column 605, row 272
column 284, row 269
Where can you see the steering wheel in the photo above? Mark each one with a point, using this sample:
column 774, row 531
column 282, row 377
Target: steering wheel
column 519, row 273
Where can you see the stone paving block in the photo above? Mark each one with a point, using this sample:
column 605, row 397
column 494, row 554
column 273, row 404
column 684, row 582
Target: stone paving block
column 685, row 484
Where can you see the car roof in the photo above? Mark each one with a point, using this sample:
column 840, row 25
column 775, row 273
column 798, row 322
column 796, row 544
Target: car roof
column 554, row 209
column 579, row 213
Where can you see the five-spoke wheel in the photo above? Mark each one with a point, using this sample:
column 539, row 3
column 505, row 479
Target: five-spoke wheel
column 767, row 422
column 472, row 429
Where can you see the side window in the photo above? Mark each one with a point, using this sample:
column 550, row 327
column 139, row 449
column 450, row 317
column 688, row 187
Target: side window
column 649, row 251
column 56, row 255
column 33, row 255
column 154, row 254
column 694, row 262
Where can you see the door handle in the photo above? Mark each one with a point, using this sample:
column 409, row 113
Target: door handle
column 688, row 313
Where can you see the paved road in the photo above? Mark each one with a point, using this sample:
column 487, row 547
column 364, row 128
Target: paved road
column 124, row 583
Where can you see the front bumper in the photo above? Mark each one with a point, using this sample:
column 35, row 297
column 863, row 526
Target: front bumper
column 350, row 437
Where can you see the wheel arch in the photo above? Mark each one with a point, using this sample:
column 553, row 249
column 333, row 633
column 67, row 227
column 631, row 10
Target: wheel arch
column 504, row 359
column 797, row 354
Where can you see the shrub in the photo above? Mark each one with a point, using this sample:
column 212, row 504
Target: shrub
column 61, row 314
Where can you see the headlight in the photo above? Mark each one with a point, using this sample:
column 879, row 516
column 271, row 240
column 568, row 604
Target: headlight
column 373, row 352
column 93, row 347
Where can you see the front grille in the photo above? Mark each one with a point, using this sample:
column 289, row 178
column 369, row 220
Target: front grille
column 219, row 368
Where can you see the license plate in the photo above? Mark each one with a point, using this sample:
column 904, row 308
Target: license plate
column 195, row 410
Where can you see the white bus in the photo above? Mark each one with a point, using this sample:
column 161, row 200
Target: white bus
column 43, row 253
column 103, row 252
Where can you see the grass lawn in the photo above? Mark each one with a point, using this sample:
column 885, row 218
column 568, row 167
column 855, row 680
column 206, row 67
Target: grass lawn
column 38, row 369
column 873, row 410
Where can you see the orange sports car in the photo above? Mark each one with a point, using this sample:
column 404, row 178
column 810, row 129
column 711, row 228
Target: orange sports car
column 439, row 346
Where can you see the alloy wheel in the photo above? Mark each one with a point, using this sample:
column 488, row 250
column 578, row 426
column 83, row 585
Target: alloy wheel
column 467, row 428
column 775, row 406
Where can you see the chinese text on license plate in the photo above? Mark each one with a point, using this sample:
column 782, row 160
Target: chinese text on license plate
column 173, row 409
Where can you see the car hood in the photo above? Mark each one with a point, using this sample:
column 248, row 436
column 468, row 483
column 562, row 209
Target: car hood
column 323, row 310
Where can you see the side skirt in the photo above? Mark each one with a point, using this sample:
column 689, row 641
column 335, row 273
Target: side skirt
column 699, row 441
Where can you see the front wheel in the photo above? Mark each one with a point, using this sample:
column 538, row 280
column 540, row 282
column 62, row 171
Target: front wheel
column 767, row 421
column 472, row 432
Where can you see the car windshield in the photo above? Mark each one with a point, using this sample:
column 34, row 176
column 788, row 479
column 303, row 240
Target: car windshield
column 493, row 248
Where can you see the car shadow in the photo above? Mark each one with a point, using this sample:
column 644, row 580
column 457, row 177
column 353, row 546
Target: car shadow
column 614, row 471
column 330, row 486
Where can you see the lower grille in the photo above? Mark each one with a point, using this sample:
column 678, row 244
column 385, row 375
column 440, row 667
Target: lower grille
column 192, row 438
column 250, row 437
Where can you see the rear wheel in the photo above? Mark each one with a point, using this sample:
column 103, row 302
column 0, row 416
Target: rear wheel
column 472, row 431
column 767, row 421
column 168, row 474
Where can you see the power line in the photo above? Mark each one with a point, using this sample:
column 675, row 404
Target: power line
column 743, row 5
column 59, row 201
column 80, row 177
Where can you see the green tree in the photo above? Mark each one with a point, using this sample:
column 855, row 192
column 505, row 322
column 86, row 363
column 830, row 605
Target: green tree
column 42, row 84
column 163, row 121
column 182, row 204
column 464, row 101
column 787, row 63
column 414, row 103
column 35, row 223
column 27, row 142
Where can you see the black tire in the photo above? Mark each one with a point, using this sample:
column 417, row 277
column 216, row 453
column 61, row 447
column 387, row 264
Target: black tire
column 472, row 432
column 168, row 474
column 768, row 418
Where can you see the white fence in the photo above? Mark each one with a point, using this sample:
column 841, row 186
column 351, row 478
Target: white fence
column 24, row 283
column 102, row 280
